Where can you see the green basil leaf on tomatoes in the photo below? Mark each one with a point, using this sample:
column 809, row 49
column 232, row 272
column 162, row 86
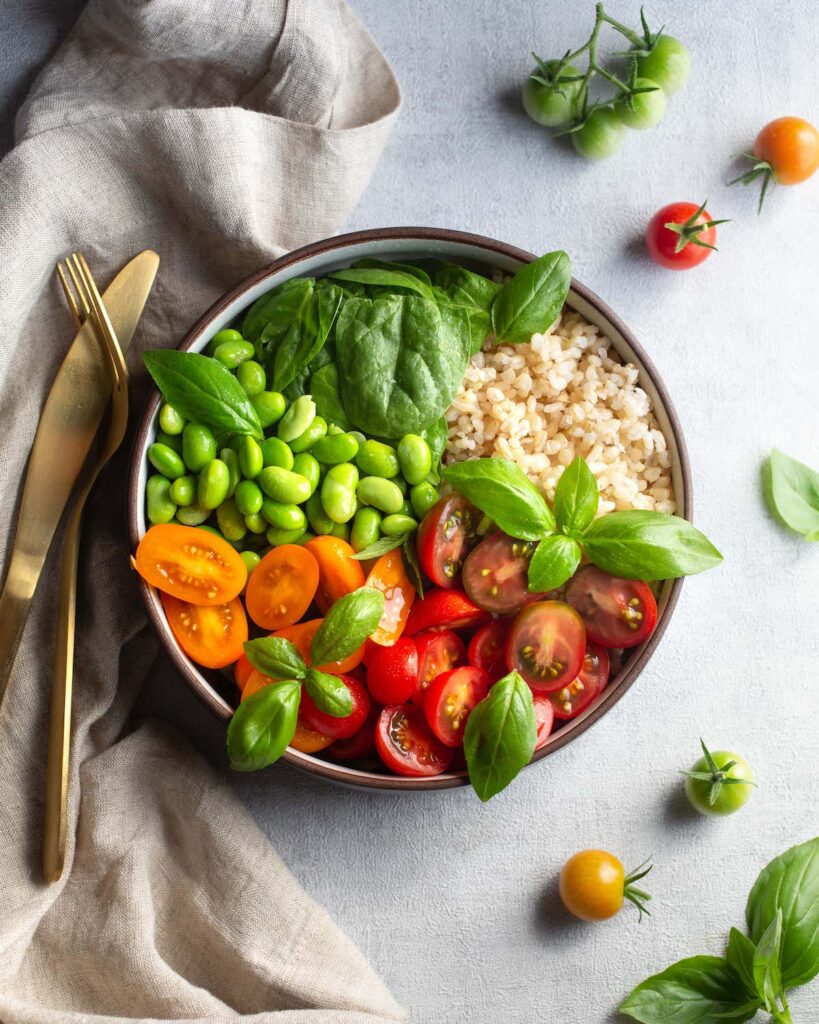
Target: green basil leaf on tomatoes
column 792, row 490
column 386, row 276
column 203, row 390
column 576, row 498
column 502, row 491
column 644, row 545
column 263, row 725
column 698, row 990
column 324, row 388
column 276, row 310
column 347, row 625
column 275, row 657
column 329, row 693
column 554, row 561
column 378, row 548
column 740, row 955
column 500, row 736
column 532, row 300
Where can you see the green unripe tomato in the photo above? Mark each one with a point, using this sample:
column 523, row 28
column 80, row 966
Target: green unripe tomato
column 668, row 64
column 716, row 791
column 551, row 105
column 647, row 108
column 601, row 136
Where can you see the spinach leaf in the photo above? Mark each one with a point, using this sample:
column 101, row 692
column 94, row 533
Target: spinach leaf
column 792, row 490
column 275, row 657
column 436, row 435
column 644, row 545
column 767, row 976
column 532, row 300
column 386, row 277
column 325, row 391
column 378, row 548
column 347, row 625
column 263, row 725
column 407, row 268
column 329, row 693
column 554, row 561
column 400, row 363
column 740, row 955
column 464, row 287
column 305, row 337
column 576, row 498
column 468, row 318
column 698, row 990
column 299, row 385
column 502, row 491
column 500, row 734
column 790, row 884
column 203, row 390
column 277, row 309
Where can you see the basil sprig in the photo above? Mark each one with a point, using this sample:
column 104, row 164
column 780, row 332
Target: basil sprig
column 500, row 735
column 792, row 492
column 263, row 725
column 532, row 300
column 347, row 625
column 502, row 491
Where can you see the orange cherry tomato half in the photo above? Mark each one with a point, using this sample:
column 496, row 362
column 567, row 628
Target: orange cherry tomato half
column 301, row 634
column 791, row 146
column 190, row 564
column 307, row 740
column 242, row 671
column 340, row 572
column 282, row 586
column 211, row 635
column 389, row 576
column 255, row 681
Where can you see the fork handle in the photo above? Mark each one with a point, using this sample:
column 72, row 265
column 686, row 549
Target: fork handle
column 15, row 601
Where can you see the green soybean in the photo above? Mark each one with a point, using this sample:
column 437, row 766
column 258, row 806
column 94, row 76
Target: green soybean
column 319, row 520
column 284, row 516
column 251, row 460
column 251, row 560
column 358, row 436
column 335, row 448
column 222, row 337
column 276, row 453
column 172, row 441
column 423, row 496
column 401, row 484
column 284, row 485
column 333, row 428
column 415, row 458
column 248, row 497
column 406, row 508
column 183, row 491
column 297, row 418
column 231, row 521
column 170, row 420
column 252, row 377
column 233, row 353
column 314, row 433
column 341, row 530
column 269, row 406
column 397, row 525
column 193, row 515
column 159, row 506
column 198, row 446
column 306, row 465
column 338, row 492
column 275, row 536
column 306, row 537
column 166, row 461
column 256, row 523
column 213, row 485
column 231, row 460
column 375, row 458
column 366, row 528
column 211, row 529
column 385, row 495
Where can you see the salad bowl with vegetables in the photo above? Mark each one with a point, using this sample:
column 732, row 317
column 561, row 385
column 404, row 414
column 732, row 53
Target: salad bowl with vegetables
column 361, row 540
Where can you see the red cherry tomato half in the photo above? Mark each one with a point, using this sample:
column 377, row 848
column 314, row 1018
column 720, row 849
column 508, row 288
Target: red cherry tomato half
column 392, row 672
column 407, row 745
column 487, row 648
column 449, row 701
column 437, row 653
column 495, row 574
column 591, row 681
column 546, row 645
column 445, row 535
column 617, row 612
column 544, row 718
column 360, row 744
column 694, row 238
column 444, row 609
column 337, row 728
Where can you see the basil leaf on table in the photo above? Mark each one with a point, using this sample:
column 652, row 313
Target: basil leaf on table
column 500, row 735
column 277, row 309
column 576, row 498
column 306, row 337
column 767, row 976
column 532, row 300
column 324, row 388
column 698, row 990
column 792, row 490
column 502, row 491
column 387, row 277
column 643, row 545
column 347, row 625
column 554, row 561
column 740, row 955
column 275, row 657
column 263, row 725
column 378, row 548
column 203, row 390
column 329, row 693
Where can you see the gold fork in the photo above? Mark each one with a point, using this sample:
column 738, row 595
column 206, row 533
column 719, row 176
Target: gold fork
column 85, row 303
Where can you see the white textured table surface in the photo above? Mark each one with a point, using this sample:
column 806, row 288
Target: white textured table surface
column 455, row 903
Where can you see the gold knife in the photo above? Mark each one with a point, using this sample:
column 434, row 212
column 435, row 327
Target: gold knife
column 67, row 428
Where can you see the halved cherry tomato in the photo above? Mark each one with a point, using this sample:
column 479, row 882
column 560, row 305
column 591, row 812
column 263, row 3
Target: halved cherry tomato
column 487, row 648
column 544, row 718
column 390, row 577
column 392, row 672
column 445, row 535
column 437, row 652
column 361, row 744
column 445, row 609
column 328, row 725
column 301, row 634
column 282, row 586
column 210, row 635
column 190, row 564
column 256, row 681
column 308, row 740
column 617, row 612
column 407, row 745
column 496, row 574
column 339, row 572
column 449, row 701
column 242, row 671
column 546, row 645
column 591, row 681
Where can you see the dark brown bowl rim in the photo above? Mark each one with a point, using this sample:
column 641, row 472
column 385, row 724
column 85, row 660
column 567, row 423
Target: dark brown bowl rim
column 326, row 769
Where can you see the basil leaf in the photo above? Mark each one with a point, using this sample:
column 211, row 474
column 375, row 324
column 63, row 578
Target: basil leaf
column 379, row 547
column 329, row 693
column 203, row 390
column 792, row 491
column 500, row 734
column 263, row 725
column 277, row 309
column 554, row 561
column 502, row 491
column 644, row 545
column 740, row 955
column 389, row 278
column 411, row 563
column 698, row 990
column 347, row 625
column 767, row 977
column 306, row 336
column 576, row 498
column 790, row 883
column 532, row 300
column 327, row 396
column 275, row 657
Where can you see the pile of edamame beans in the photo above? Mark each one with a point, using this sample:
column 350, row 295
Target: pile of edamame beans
column 306, row 477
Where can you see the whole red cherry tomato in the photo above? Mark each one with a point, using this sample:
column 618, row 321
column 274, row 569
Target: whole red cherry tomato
column 681, row 235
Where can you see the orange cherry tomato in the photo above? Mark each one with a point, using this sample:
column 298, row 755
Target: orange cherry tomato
column 389, row 576
column 791, row 146
column 302, row 633
column 190, row 564
column 281, row 587
column 242, row 671
column 255, row 681
column 307, row 740
column 340, row 572
column 210, row 635
column 593, row 885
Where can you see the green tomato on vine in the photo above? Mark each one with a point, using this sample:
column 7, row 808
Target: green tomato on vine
column 719, row 783
column 550, row 98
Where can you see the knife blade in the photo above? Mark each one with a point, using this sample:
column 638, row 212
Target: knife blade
column 68, row 425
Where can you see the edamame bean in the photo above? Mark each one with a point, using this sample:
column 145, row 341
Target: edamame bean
column 251, row 460
column 276, row 453
column 297, row 418
column 385, row 495
column 306, row 465
column 397, row 525
column 275, row 536
column 401, row 484
column 231, row 460
column 305, row 538
column 423, row 496
column 341, row 530
column 284, row 516
column 284, row 485
column 193, row 515
column 252, row 377
column 319, row 520
column 335, row 448
column 333, row 428
column 183, row 491
column 166, row 461
column 366, row 528
column 198, row 446
column 248, row 497
column 159, row 506
column 233, row 353
column 315, row 432
column 231, row 521
column 171, row 421
column 269, row 406
column 414, row 457
column 172, row 441
column 375, row 458
column 213, row 485
column 406, row 509
column 210, row 529
column 251, row 560
column 358, row 436
column 338, row 492
column 222, row 337
column 256, row 523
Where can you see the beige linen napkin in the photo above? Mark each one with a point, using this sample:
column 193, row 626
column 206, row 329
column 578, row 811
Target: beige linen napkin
column 220, row 133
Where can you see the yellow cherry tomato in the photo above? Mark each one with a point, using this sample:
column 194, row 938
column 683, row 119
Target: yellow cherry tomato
column 593, row 885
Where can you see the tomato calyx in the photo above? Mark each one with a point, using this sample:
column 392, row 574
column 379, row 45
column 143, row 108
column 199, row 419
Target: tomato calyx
column 639, row 897
column 689, row 232
column 716, row 776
